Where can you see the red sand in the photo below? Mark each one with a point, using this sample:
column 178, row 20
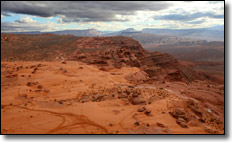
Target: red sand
column 49, row 100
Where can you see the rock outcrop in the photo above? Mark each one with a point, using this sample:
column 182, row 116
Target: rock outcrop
column 105, row 52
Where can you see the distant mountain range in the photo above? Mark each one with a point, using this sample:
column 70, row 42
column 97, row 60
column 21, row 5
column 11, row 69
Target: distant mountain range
column 212, row 33
column 89, row 32
column 205, row 44
column 215, row 33
column 201, row 33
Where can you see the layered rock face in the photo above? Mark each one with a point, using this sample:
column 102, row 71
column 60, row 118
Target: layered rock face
column 105, row 52
column 108, row 51
column 117, row 52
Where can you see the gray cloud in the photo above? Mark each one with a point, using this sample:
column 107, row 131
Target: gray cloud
column 82, row 11
column 188, row 17
column 196, row 22
column 20, row 26
column 5, row 14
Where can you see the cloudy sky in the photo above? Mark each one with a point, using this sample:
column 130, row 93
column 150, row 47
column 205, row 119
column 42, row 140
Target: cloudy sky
column 21, row 16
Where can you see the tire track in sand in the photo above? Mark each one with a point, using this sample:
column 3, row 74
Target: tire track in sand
column 65, row 126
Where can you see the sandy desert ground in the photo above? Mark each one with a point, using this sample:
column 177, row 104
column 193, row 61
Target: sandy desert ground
column 76, row 98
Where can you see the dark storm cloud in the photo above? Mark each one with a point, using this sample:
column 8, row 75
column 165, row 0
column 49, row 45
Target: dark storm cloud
column 188, row 17
column 84, row 11
column 24, row 8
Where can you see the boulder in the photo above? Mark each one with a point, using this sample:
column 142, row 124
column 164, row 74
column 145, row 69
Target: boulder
column 122, row 95
column 196, row 110
column 40, row 86
column 32, row 83
column 181, row 122
column 147, row 112
column 141, row 109
column 98, row 98
column 138, row 101
column 135, row 94
column 160, row 125
column 84, row 99
column 178, row 112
